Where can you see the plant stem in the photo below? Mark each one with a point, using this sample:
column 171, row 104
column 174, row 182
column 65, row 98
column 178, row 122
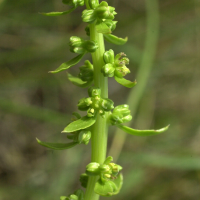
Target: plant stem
column 99, row 129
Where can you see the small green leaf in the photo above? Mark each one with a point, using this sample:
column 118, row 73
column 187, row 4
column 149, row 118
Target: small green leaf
column 125, row 82
column 68, row 64
column 102, row 28
column 142, row 132
column 59, row 13
column 82, row 123
column 105, row 188
column 115, row 40
column 57, row 146
column 118, row 182
column 78, row 82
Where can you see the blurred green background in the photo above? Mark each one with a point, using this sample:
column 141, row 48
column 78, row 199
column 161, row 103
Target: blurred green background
column 34, row 103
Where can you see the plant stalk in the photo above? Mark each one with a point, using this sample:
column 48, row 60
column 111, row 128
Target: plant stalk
column 100, row 128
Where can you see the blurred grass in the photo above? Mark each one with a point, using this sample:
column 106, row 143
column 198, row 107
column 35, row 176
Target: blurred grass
column 34, row 103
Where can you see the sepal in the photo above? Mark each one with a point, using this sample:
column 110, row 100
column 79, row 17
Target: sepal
column 142, row 132
column 102, row 27
column 115, row 40
column 109, row 56
column 84, row 137
column 88, row 16
column 108, row 70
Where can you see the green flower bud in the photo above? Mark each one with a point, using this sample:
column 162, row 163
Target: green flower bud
column 74, row 2
column 111, row 24
column 121, row 71
column 88, row 16
column 80, row 194
column 87, row 30
column 86, row 71
column 93, row 3
column 108, row 160
column 64, row 198
column 92, row 169
column 90, row 46
column 94, row 91
column 105, row 169
column 121, row 114
column 84, row 180
column 76, row 45
column 103, row 11
column 84, row 104
column 84, row 137
column 73, row 197
column 108, row 70
column 121, row 60
column 123, row 109
column 107, row 104
column 109, row 56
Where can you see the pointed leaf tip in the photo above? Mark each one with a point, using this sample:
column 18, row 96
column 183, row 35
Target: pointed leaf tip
column 57, row 146
column 52, row 14
column 125, row 82
column 68, row 64
column 142, row 132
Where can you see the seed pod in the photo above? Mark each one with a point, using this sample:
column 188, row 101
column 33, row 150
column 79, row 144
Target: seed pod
column 86, row 71
column 88, row 16
column 83, row 104
column 90, row 46
column 107, row 104
column 84, row 180
column 121, row 71
column 92, row 169
column 108, row 70
column 109, row 56
column 84, row 137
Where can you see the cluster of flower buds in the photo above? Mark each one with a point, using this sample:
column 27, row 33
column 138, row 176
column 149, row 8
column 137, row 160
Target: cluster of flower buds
column 74, row 3
column 120, row 114
column 106, row 171
column 78, row 195
column 86, row 71
column 80, row 46
column 111, row 24
column 101, row 13
column 115, row 65
column 95, row 104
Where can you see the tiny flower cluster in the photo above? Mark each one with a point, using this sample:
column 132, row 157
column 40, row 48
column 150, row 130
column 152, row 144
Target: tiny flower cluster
column 95, row 104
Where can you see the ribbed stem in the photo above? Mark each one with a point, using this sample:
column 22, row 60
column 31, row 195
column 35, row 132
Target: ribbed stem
column 99, row 129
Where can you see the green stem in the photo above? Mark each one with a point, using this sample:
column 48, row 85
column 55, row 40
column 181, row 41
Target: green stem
column 100, row 129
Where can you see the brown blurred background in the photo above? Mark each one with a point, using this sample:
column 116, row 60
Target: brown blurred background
column 34, row 103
